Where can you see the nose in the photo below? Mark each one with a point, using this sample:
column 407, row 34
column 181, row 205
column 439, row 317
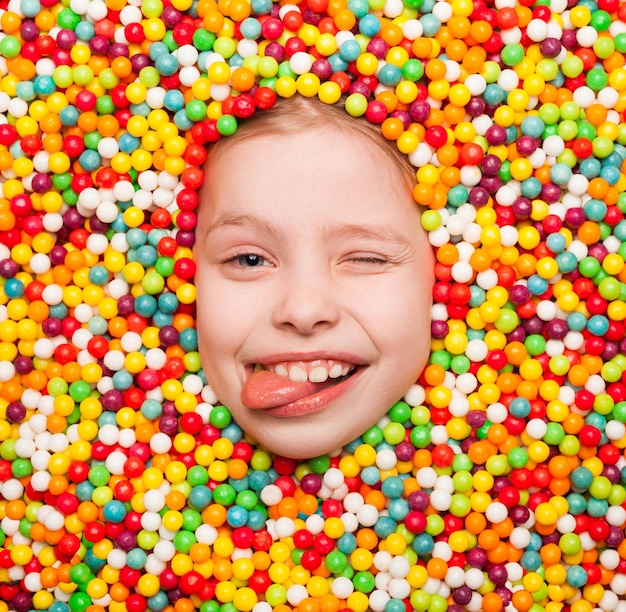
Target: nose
column 307, row 303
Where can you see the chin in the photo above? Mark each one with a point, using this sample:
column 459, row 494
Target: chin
column 309, row 440
column 299, row 447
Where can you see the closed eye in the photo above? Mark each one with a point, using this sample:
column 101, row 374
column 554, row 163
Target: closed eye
column 372, row 260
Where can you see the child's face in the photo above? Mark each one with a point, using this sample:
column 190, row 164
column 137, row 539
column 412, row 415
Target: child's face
column 314, row 287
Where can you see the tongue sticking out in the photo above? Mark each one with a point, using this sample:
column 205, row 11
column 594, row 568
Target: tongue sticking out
column 265, row 389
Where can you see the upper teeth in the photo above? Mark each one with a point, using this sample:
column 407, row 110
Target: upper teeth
column 313, row 371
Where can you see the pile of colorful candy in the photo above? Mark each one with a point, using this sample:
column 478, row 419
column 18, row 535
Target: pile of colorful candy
column 499, row 483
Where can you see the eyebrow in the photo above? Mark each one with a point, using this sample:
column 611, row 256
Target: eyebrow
column 245, row 221
column 383, row 233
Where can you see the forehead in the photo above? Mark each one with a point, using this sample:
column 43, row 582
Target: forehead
column 324, row 144
column 315, row 176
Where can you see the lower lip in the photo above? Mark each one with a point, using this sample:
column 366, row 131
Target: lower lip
column 318, row 401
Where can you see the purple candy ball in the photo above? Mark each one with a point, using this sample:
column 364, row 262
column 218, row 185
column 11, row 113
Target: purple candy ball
column 534, row 325
column 550, row 47
column 418, row 501
column 378, row 47
column 519, row 294
column 322, row 68
column 168, row 335
column 168, row 424
column 275, row 50
column 66, row 39
column 126, row 540
column 186, row 238
column 462, row 595
column 476, row 557
column 8, row 268
column 522, row 207
column 97, row 226
column 72, row 219
column 551, row 538
column 439, row 329
column 175, row 594
column 99, row 45
column 52, row 327
column 568, row 39
column 41, row 183
column 505, row 594
column 21, row 602
column 29, row 31
column 551, row 193
column 490, row 165
column 118, row 50
column 491, row 183
column 495, row 57
column 615, row 537
column 496, row 135
column 57, row 254
column 476, row 418
column 499, row 483
column 16, row 412
column 610, row 350
column 526, row 145
column 557, row 329
column 478, row 196
column 23, row 364
column 419, row 110
column 517, row 335
column 171, row 17
column 112, row 400
column 497, row 573
column 575, row 217
column 169, row 408
column 405, row 451
column 311, row 483
column 126, row 304
column 475, row 107
column 612, row 472
column 598, row 251
column 311, row 17
column 139, row 62
column 359, row 87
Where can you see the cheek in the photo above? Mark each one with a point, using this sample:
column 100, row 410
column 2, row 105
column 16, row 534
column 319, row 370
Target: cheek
column 401, row 328
column 401, row 311
column 216, row 346
column 224, row 320
column 215, row 319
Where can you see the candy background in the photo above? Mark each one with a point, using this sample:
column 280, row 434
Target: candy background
column 497, row 484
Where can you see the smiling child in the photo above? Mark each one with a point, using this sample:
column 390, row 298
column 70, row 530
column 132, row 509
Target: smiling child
column 314, row 277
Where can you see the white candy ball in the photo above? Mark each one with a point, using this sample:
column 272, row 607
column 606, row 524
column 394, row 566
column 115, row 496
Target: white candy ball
column 151, row 521
column 367, row 515
column 342, row 587
column 386, row 459
column 399, row 588
column 536, row 428
column 399, row 567
column 285, row 527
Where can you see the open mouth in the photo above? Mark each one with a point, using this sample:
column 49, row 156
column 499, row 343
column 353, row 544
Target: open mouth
column 317, row 371
column 292, row 388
